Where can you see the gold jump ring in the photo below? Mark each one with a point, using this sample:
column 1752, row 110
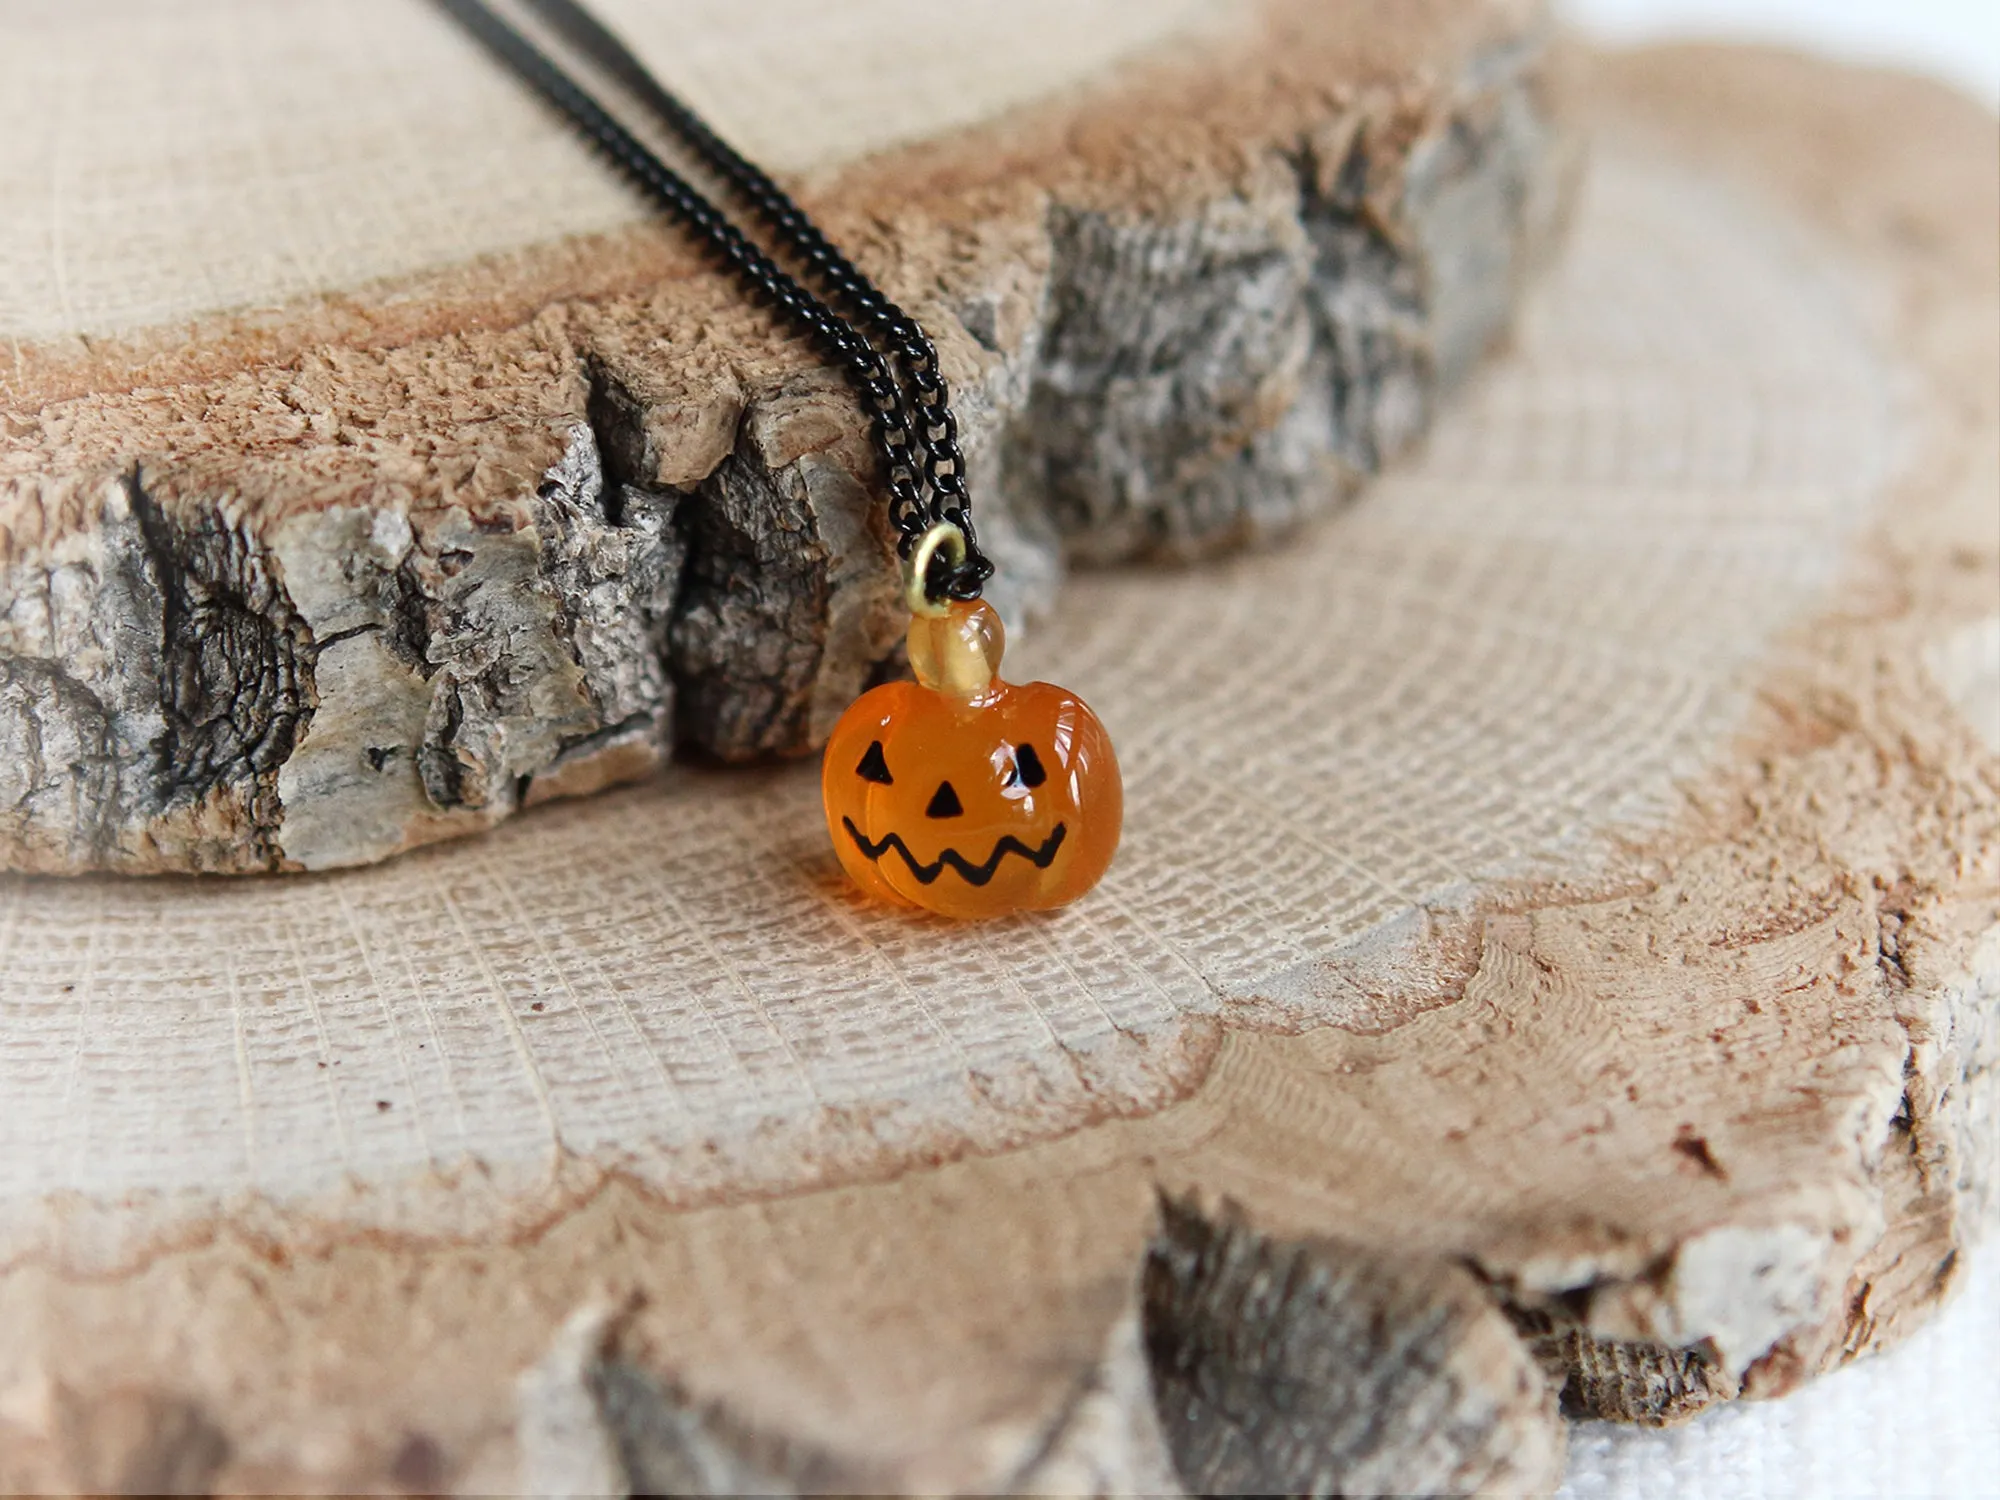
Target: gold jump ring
column 942, row 534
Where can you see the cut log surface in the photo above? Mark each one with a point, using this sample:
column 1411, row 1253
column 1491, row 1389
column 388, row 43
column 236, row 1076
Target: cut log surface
column 508, row 496
column 1554, row 965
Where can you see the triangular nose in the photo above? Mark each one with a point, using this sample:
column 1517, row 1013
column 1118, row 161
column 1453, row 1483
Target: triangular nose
column 944, row 802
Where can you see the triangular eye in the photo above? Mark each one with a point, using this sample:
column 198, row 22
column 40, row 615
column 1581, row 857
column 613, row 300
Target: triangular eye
column 873, row 767
column 1028, row 767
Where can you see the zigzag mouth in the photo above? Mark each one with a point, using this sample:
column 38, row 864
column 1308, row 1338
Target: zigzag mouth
column 951, row 859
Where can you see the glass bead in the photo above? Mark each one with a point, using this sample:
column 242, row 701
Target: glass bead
column 967, row 795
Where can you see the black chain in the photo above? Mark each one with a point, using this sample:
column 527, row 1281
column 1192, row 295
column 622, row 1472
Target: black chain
column 919, row 497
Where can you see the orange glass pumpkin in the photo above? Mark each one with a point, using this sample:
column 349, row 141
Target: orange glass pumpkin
column 966, row 795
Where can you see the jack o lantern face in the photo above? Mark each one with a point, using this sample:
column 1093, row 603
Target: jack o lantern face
column 1003, row 800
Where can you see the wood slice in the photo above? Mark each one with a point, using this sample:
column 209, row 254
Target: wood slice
column 373, row 466
column 1554, row 966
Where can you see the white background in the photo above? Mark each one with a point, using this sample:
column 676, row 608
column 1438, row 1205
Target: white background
column 1925, row 1418
column 1959, row 39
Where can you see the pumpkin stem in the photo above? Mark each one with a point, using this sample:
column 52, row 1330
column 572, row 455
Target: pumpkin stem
column 958, row 652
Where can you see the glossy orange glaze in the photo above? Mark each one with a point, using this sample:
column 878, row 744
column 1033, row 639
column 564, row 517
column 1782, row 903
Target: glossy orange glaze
column 977, row 801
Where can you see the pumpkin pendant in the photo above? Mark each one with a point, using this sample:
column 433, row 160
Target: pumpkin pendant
column 966, row 795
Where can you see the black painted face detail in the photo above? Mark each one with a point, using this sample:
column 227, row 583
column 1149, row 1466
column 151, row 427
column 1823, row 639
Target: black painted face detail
column 874, row 766
column 1027, row 770
column 951, row 859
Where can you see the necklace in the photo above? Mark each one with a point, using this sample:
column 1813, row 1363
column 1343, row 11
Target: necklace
column 958, row 792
